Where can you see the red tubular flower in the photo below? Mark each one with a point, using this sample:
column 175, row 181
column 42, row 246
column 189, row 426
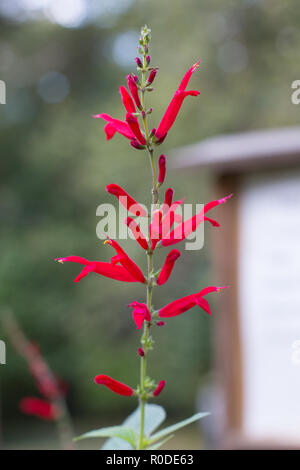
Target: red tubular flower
column 140, row 313
column 127, row 100
column 137, row 233
column 125, row 261
column 155, row 228
column 114, row 385
column 159, row 388
column 115, row 125
column 126, row 200
column 170, row 217
column 186, row 303
column 175, row 104
column 39, row 408
column 119, row 273
column 134, row 90
column 133, row 123
column 141, row 352
column 180, row 232
column 168, row 267
column 162, row 169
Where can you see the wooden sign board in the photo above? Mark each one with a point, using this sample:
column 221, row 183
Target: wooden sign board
column 257, row 252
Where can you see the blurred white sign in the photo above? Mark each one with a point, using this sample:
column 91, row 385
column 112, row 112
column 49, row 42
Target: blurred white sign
column 269, row 304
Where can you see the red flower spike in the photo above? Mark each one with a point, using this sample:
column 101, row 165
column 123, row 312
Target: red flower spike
column 137, row 233
column 159, row 388
column 162, row 169
column 134, row 90
column 127, row 100
column 169, row 196
column 39, row 408
column 133, row 123
column 141, row 352
column 188, row 226
column 140, row 313
column 186, row 303
column 175, row 104
column 152, row 76
column 126, row 200
column 168, row 267
column 104, row 269
column 115, row 125
column 126, row 261
column 114, row 385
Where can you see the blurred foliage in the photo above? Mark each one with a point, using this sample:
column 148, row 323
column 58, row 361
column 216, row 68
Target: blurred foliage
column 55, row 164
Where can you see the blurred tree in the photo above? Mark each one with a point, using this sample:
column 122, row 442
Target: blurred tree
column 55, row 165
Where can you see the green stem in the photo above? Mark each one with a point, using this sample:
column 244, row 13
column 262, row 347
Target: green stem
column 147, row 325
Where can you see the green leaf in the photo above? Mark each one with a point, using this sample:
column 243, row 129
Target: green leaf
column 154, row 416
column 122, row 432
column 160, row 443
column 174, row 427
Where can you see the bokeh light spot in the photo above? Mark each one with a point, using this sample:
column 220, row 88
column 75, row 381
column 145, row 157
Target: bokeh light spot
column 53, row 87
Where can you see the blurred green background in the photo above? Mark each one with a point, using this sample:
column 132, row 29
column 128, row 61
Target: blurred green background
column 62, row 62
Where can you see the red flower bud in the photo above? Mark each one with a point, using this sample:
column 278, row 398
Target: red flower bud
column 114, row 385
column 39, row 408
column 159, row 388
column 136, row 231
column 138, row 62
column 141, row 352
column 136, row 145
column 133, row 123
column 169, row 196
column 133, row 90
column 168, row 267
column 152, row 76
column 162, row 169
column 148, row 59
column 126, row 200
column 160, row 323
